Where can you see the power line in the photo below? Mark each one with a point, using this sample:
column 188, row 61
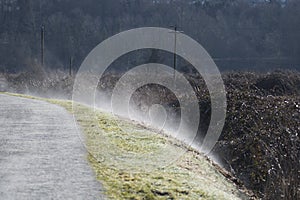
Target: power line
column 252, row 58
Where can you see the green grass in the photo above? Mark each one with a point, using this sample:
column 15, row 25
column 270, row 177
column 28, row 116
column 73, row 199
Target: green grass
column 133, row 162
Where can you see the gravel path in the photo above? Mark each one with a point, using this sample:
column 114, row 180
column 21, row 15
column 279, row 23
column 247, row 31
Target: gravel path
column 41, row 155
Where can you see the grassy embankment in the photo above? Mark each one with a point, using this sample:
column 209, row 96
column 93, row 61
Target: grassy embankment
column 133, row 162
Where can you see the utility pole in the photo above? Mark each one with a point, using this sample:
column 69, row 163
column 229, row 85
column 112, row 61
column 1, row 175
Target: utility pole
column 70, row 66
column 42, row 44
column 175, row 47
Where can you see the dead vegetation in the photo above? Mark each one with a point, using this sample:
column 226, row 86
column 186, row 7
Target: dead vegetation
column 260, row 141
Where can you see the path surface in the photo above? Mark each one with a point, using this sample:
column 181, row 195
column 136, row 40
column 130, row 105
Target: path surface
column 41, row 155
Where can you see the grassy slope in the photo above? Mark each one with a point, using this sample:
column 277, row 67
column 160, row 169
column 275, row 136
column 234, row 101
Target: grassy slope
column 131, row 161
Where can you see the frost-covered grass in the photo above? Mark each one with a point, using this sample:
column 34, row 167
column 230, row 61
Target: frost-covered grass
column 134, row 162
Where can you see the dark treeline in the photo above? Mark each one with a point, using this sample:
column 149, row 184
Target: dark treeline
column 239, row 34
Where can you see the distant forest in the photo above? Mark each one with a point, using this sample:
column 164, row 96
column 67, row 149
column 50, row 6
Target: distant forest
column 238, row 34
